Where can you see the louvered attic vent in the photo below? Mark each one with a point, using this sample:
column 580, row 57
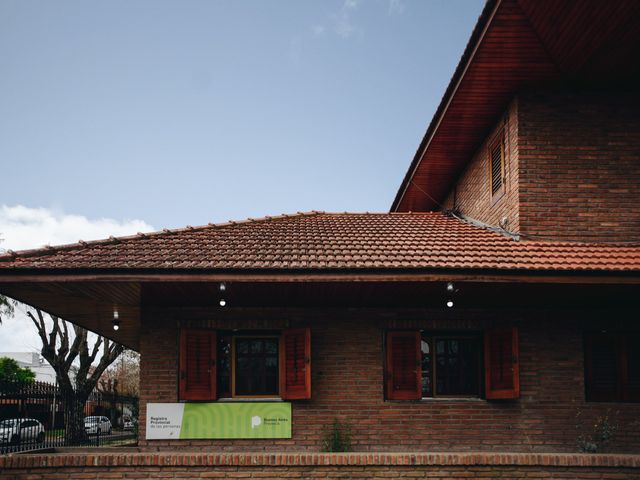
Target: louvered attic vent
column 497, row 168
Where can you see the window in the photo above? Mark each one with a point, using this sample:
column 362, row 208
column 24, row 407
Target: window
column 256, row 366
column 612, row 367
column 450, row 365
column 496, row 168
column 432, row 364
column 223, row 364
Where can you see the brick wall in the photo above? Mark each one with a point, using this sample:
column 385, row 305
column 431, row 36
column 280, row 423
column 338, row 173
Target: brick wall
column 580, row 166
column 471, row 195
column 101, row 465
column 572, row 169
column 347, row 378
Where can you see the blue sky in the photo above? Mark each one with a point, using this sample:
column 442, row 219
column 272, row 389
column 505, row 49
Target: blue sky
column 177, row 113
column 126, row 116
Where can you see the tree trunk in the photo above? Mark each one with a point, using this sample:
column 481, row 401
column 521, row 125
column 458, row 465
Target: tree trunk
column 61, row 353
column 75, row 433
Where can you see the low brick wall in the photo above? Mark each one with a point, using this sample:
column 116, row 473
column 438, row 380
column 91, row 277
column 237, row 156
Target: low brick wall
column 99, row 464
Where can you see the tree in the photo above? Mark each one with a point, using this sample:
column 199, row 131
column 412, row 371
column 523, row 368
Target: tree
column 61, row 352
column 6, row 307
column 12, row 372
column 123, row 377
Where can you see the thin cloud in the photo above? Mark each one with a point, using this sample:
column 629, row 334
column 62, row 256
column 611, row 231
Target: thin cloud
column 396, row 7
column 343, row 23
column 318, row 30
column 24, row 227
column 342, row 20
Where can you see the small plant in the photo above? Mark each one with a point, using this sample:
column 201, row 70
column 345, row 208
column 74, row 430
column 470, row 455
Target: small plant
column 337, row 437
column 603, row 431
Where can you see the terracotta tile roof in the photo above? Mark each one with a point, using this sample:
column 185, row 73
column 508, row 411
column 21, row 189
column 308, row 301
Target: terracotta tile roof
column 320, row 240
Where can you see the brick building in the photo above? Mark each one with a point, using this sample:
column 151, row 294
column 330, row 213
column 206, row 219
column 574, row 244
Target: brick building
column 494, row 309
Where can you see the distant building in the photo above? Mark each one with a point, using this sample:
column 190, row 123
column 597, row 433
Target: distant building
column 34, row 361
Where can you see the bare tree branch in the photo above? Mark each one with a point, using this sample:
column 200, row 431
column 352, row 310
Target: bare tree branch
column 62, row 354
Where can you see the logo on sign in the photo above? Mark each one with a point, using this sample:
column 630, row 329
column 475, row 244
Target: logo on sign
column 256, row 421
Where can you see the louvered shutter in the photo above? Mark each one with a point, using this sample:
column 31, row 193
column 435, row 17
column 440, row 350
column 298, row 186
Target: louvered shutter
column 295, row 377
column 497, row 168
column 197, row 364
column 404, row 372
column 502, row 372
column 631, row 368
column 601, row 367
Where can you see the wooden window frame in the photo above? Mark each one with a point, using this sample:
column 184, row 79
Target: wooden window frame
column 299, row 390
column 623, row 393
column 233, row 365
column 432, row 338
column 498, row 140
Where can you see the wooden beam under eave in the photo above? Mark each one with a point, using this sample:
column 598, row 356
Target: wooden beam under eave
column 485, row 276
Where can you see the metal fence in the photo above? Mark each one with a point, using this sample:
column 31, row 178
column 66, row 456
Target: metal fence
column 36, row 415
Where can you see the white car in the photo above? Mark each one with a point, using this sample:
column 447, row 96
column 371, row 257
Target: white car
column 97, row 425
column 21, row 430
column 127, row 423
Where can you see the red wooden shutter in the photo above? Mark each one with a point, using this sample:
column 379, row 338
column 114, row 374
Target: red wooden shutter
column 197, row 364
column 501, row 365
column 601, row 367
column 404, row 372
column 295, row 377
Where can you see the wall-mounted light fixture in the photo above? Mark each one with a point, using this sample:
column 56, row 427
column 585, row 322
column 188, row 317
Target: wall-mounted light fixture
column 223, row 288
column 451, row 290
column 116, row 320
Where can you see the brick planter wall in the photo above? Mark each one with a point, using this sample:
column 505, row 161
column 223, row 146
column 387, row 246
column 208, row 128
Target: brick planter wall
column 347, row 378
column 100, row 465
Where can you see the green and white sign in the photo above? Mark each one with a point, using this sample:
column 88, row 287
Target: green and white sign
column 166, row 421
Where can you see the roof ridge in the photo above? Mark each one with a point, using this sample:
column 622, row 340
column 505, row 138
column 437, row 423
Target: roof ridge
column 81, row 244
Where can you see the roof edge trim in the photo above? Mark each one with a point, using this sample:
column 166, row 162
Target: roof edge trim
column 400, row 275
column 479, row 31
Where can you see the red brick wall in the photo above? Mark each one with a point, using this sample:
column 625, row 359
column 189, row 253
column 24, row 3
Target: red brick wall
column 471, row 195
column 572, row 169
column 347, row 377
column 100, row 465
column 580, row 166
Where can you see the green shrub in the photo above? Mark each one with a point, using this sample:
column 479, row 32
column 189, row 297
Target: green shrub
column 599, row 436
column 337, row 437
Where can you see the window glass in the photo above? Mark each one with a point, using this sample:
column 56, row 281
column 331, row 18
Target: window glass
column 224, row 366
column 450, row 365
column 427, row 383
column 256, row 367
column 633, row 363
column 612, row 367
column 603, row 358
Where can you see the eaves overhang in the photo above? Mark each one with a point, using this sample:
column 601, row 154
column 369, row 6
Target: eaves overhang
column 519, row 45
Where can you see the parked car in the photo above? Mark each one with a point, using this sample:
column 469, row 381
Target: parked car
column 21, row 430
column 127, row 423
column 97, row 425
